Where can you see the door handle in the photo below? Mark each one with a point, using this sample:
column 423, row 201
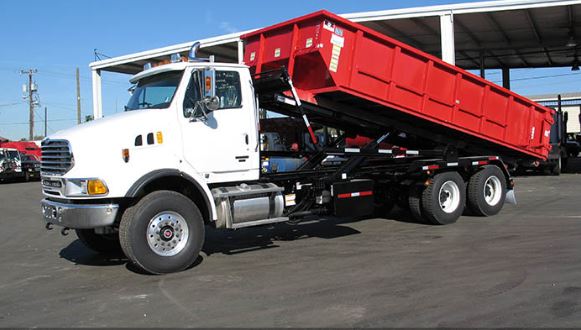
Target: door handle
column 246, row 138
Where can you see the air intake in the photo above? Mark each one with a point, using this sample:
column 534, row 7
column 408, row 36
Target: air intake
column 57, row 157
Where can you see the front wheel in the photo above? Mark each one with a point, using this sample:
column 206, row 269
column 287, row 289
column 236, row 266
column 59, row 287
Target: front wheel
column 444, row 199
column 162, row 233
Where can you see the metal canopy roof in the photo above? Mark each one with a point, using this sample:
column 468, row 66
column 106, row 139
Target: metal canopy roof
column 224, row 48
column 512, row 34
column 478, row 35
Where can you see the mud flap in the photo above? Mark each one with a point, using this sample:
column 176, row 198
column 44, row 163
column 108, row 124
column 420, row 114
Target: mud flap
column 510, row 197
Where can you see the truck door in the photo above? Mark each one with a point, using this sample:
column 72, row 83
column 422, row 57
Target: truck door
column 221, row 146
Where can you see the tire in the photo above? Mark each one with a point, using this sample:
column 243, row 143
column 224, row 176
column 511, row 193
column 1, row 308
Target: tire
column 104, row 244
column 487, row 191
column 415, row 203
column 402, row 198
column 443, row 201
column 159, row 250
column 556, row 169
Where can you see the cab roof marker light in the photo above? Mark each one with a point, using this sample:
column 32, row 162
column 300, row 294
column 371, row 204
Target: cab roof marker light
column 175, row 58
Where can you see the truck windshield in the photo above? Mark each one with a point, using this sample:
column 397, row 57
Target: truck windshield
column 155, row 92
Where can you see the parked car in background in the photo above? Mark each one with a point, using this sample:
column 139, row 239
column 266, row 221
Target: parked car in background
column 24, row 147
column 10, row 164
column 30, row 167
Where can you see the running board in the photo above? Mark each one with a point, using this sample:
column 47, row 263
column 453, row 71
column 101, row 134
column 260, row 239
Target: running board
column 258, row 222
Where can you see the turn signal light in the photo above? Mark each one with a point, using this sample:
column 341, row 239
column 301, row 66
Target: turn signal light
column 125, row 155
column 159, row 137
column 96, row 187
column 208, row 83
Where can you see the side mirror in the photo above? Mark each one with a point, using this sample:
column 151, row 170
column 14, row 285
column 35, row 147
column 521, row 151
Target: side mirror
column 211, row 101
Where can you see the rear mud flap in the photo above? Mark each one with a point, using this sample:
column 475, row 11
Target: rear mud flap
column 510, row 197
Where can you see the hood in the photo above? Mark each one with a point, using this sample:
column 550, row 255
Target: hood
column 106, row 129
column 97, row 145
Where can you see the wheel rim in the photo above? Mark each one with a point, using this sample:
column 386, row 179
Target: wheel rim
column 167, row 233
column 492, row 190
column 449, row 197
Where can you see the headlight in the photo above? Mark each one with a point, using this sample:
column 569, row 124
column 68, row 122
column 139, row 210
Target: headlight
column 85, row 187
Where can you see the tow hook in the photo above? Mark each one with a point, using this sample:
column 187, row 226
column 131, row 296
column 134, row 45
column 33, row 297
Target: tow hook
column 65, row 231
column 48, row 226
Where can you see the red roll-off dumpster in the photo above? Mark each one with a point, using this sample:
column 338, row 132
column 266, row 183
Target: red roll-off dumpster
column 328, row 55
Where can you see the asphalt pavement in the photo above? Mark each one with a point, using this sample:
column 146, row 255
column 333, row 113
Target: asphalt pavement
column 520, row 268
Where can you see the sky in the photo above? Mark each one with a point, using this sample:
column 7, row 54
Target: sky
column 55, row 37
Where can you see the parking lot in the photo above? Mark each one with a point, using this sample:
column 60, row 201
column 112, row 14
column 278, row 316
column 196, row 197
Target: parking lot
column 520, row 268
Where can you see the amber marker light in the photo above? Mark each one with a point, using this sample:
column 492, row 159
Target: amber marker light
column 208, row 83
column 96, row 187
column 125, row 155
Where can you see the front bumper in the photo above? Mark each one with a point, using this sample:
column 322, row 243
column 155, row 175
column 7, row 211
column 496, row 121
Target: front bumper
column 79, row 216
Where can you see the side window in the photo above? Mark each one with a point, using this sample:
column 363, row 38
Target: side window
column 193, row 93
column 228, row 89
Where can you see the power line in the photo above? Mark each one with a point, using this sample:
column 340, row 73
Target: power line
column 44, row 119
column 50, row 120
column 10, row 104
column 542, row 77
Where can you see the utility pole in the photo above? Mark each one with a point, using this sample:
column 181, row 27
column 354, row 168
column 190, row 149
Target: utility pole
column 78, row 98
column 45, row 120
column 31, row 101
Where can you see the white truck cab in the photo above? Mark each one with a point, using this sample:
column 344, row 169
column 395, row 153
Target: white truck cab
column 187, row 125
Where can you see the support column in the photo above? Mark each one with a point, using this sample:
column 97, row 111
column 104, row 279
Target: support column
column 97, row 96
column 482, row 65
column 240, row 52
column 506, row 77
column 447, row 38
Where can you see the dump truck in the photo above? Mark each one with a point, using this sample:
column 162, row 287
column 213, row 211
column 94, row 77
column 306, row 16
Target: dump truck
column 186, row 152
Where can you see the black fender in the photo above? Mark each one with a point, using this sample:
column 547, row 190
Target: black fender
column 137, row 188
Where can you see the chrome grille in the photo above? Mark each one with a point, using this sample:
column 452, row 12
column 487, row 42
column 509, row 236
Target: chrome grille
column 57, row 157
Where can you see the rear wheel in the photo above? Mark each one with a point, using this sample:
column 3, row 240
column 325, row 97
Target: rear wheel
column 444, row 199
column 415, row 203
column 162, row 233
column 487, row 191
column 101, row 243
